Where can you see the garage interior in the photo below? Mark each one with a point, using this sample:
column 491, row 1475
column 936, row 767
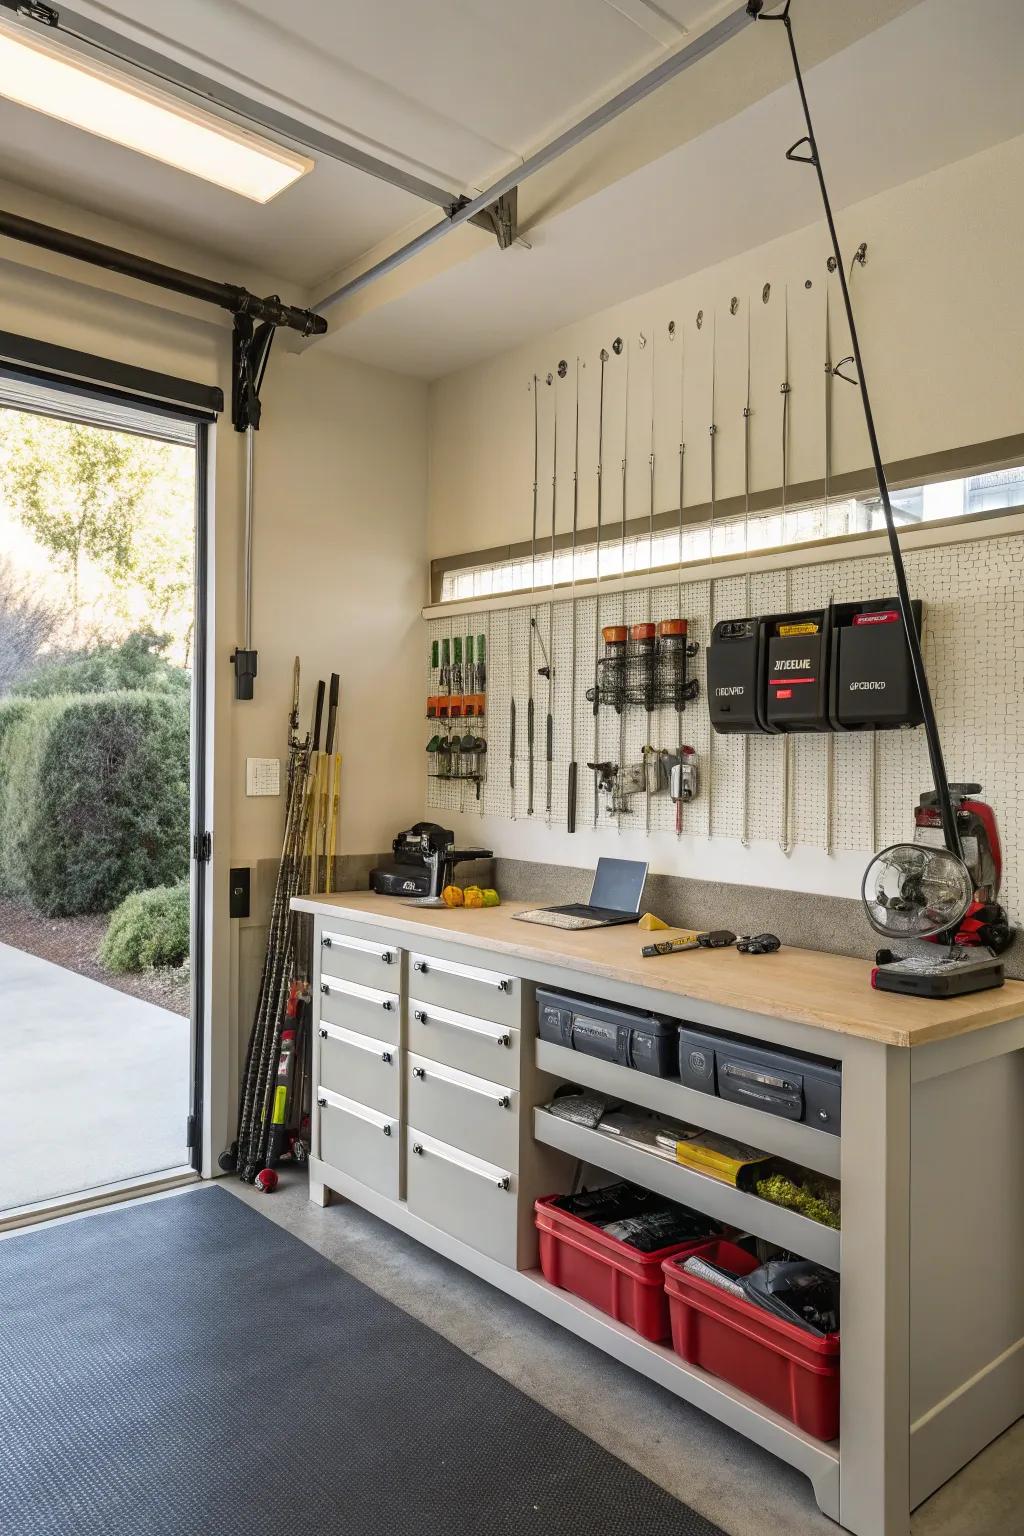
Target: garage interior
column 611, row 448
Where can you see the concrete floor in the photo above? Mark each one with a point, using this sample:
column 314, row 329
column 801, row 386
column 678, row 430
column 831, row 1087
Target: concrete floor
column 715, row 1471
column 97, row 1083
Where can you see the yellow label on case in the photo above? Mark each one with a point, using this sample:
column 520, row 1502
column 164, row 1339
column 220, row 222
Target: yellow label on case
column 807, row 627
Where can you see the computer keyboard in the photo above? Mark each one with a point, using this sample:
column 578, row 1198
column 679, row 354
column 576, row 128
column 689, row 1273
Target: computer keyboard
column 557, row 919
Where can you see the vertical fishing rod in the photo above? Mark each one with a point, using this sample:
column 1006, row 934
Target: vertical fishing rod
column 617, row 799
column 549, row 659
column 651, row 753
column 786, row 840
column 597, row 573
column 747, row 413
column 533, row 607
column 712, row 446
column 830, row 740
column 570, row 818
column 810, row 156
column 679, row 569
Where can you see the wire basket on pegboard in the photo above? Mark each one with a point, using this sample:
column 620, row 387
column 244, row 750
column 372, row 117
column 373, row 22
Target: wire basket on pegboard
column 645, row 666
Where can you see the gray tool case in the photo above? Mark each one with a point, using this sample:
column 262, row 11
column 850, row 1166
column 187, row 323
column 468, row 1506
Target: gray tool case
column 792, row 1084
column 627, row 1036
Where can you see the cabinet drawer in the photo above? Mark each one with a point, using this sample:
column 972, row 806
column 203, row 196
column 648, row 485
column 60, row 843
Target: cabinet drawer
column 473, row 1114
column 470, row 1199
column 360, row 1142
column 360, row 1068
column 477, row 1046
column 486, row 994
column 365, row 961
column 357, row 1007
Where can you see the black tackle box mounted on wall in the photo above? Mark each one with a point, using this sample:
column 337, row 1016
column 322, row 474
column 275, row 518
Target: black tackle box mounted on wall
column 871, row 684
column 791, row 1084
column 627, row 1036
column 844, row 668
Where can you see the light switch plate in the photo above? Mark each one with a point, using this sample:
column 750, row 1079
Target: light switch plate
column 263, row 775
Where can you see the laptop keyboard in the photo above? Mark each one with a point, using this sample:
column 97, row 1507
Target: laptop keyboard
column 557, row 919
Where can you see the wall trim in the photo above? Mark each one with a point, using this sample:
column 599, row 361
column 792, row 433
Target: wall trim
column 952, row 1432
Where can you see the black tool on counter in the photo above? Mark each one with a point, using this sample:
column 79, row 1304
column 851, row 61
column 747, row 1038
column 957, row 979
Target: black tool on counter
column 758, row 944
column 714, row 938
column 425, row 859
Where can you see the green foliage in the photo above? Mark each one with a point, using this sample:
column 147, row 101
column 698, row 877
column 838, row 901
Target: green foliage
column 150, row 928
column 12, row 712
column 97, row 802
column 133, row 663
column 78, row 489
column 817, row 1198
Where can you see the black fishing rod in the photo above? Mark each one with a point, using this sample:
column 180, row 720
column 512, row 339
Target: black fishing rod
column 805, row 152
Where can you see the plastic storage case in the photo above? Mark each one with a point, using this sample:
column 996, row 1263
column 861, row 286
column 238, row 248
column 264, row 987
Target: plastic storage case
column 626, row 1036
column 871, row 683
column 783, row 1366
column 791, row 1084
column 618, row 1280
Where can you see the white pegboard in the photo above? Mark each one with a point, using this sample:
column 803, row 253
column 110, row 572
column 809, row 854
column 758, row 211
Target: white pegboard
column 974, row 651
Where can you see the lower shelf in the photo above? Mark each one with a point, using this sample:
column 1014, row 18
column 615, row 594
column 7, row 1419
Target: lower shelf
column 816, row 1460
column 788, row 1229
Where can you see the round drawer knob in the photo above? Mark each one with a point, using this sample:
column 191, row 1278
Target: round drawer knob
column 323, row 1034
column 325, row 989
column 385, row 1056
column 420, row 1016
column 417, row 1149
column 386, row 1129
column 386, row 1005
column 419, row 1071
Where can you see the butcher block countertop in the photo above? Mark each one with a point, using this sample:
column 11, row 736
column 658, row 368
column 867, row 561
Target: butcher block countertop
column 833, row 992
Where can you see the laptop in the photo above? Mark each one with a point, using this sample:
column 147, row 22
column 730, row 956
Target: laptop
column 615, row 898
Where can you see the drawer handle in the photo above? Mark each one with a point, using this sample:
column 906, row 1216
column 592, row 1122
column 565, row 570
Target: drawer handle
column 503, row 1183
column 322, row 1102
column 386, row 1129
column 503, row 983
column 323, row 1034
column 501, row 1038
column 387, row 1005
column 385, row 1056
column 419, row 1071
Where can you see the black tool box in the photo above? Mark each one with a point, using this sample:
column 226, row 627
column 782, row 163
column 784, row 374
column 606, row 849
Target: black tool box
column 791, row 1084
column 734, row 671
column 627, row 1036
column 871, row 683
column 796, row 671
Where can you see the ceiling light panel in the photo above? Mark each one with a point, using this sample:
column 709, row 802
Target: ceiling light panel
column 49, row 79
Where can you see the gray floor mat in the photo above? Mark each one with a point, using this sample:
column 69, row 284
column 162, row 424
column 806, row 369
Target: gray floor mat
column 184, row 1366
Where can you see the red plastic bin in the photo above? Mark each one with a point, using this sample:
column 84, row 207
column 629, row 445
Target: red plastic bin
column 613, row 1276
column 783, row 1366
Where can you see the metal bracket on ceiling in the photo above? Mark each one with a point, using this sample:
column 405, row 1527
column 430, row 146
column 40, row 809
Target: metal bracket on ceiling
column 501, row 218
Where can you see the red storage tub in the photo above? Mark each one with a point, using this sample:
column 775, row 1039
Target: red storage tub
column 619, row 1280
column 783, row 1366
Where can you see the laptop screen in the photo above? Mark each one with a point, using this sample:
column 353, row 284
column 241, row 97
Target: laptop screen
column 619, row 884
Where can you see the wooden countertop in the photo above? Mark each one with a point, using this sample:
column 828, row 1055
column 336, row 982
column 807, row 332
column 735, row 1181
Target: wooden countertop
column 804, row 985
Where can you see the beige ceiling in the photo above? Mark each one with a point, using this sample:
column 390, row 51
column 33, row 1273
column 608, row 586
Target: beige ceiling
column 459, row 91
column 456, row 91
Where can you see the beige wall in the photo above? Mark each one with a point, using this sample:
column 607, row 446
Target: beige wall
column 941, row 312
column 338, row 570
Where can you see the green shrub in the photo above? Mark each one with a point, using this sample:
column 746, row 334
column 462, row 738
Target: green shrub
column 97, row 801
column 148, row 929
column 12, row 712
column 133, row 663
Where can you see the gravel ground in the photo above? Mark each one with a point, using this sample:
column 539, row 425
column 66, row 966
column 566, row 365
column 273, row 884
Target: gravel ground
column 73, row 942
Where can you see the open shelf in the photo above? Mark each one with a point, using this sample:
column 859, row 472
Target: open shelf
column 802, row 1144
column 789, row 1230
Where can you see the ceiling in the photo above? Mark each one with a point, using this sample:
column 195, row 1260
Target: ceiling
column 459, row 91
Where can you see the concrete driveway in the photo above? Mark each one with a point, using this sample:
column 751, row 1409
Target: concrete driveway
column 95, row 1083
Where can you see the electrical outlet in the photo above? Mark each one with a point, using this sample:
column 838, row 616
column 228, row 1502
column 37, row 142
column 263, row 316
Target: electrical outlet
column 263, row 775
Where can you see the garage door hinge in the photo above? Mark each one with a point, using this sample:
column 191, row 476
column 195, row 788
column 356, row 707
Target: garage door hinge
column 202, row 847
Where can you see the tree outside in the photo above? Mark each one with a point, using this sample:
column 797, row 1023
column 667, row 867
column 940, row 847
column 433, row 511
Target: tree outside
column 96, row 633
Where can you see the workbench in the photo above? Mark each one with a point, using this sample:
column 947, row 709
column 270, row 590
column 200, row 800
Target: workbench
column 429, row 1085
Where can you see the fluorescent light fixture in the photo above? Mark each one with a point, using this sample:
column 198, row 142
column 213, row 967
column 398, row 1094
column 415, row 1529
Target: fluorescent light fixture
column 37, row 74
